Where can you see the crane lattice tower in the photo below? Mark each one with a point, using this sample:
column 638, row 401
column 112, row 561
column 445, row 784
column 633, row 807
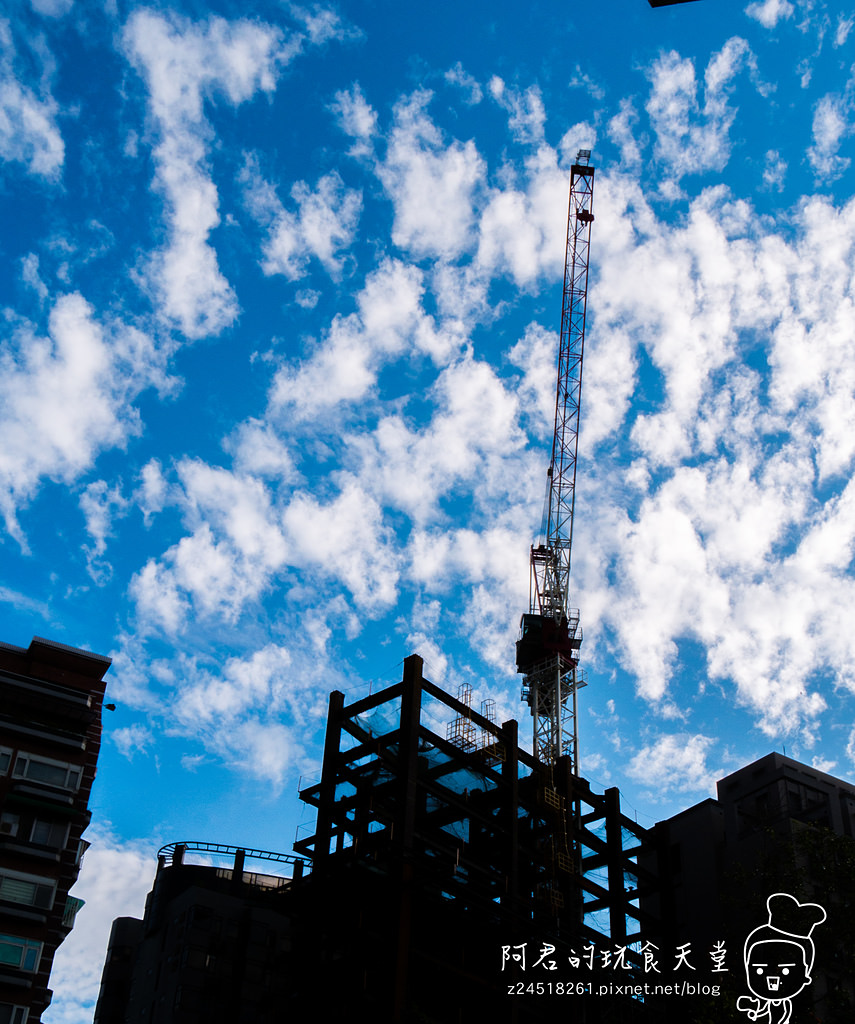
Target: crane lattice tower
column 550, row 633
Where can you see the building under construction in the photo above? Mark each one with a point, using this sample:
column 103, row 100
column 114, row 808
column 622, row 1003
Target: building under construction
column 445, row 863
column 474, row 849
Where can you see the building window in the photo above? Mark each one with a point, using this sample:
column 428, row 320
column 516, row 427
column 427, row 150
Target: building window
column 9, row 827
column 21, row 953
column 49, row 833
column 72, row 906
column 5, row 760
column 13, row 1014
column 29, row 890
column 58, row 774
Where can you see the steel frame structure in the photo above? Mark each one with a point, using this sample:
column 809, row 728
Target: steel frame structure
column 465, row 840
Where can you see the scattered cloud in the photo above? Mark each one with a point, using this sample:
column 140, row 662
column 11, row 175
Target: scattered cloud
column 356, row 118
column 67, row 397
column 186, row 65
column 831, row 124
column 675, row 765
column 52, row 8
column 689, row 138
column 432, row 185
column 132, row 739
column 770, row 12
column 322, row 225
column 844, row 27
column 100, row 503
column 775, row 171
column 715, row 534
column 469, row 86
column 389, row 321
column 29, row 132
column 113, row 882
column 526, row 113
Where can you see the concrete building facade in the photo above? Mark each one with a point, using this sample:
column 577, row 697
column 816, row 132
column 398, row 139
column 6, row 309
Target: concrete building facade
column 50, row 734
column 775, row 825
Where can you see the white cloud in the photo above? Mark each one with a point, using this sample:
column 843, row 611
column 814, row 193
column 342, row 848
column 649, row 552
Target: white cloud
column 432, row 185
column 152, row 491
column 487, row 568
column 691, row 139
column 711, row 531
column 158, row 597
column 470, row 443
column 30, row 276
column 517, row 227
column 226, row 562
column 66, row 398
column 527, row 115
column 622, row 134
column 258, row 451
column 184, row 66
column 113, row 881
column 132, row 739
column 244, row 535
column 775, row 171
column 536, row 354
column 356, row 118
column 823, row 764
column 844, row 27
column 582, row 80
column 28, row 122
column 323, row 24
column 257, row 712
column 238, row 712
column 343, row 368
column 436, row 662
column 323, row 224
column 52, row 8
column 469, row 86
column 346, row 540
column 831, row 125
column 770, row 12
column 675, row 764
column 100, row 503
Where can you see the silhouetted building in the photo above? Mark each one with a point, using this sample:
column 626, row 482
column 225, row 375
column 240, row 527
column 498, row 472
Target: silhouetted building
column 776, row 826
column 215, row 943
column 443, row 856
column 50, row 733
column 449, row 871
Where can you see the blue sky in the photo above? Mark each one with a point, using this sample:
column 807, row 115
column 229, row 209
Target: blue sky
column 280, row 297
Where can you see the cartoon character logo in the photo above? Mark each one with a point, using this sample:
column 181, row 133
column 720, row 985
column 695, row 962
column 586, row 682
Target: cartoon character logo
column 779, row 958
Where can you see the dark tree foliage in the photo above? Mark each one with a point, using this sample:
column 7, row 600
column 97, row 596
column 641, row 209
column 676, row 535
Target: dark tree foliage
column 815, row 865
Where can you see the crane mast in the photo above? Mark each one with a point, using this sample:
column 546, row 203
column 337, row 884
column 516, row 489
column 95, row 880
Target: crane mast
column 550, row 633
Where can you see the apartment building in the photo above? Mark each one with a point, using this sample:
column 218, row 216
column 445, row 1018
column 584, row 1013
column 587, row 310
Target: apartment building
column 50, row 733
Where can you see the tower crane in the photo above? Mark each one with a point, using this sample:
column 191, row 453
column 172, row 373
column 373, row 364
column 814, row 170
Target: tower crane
column 547, row 652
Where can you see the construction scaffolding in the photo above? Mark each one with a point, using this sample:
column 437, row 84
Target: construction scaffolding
column 476, row 844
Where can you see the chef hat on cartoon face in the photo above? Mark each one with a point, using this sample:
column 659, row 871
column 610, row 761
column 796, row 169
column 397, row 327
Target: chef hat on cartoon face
column 788, row 920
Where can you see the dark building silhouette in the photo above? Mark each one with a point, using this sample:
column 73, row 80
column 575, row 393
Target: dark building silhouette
column 448, row 870
column 215, row 943
column 443, row 853
column 776, row 825
column 50, row 733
